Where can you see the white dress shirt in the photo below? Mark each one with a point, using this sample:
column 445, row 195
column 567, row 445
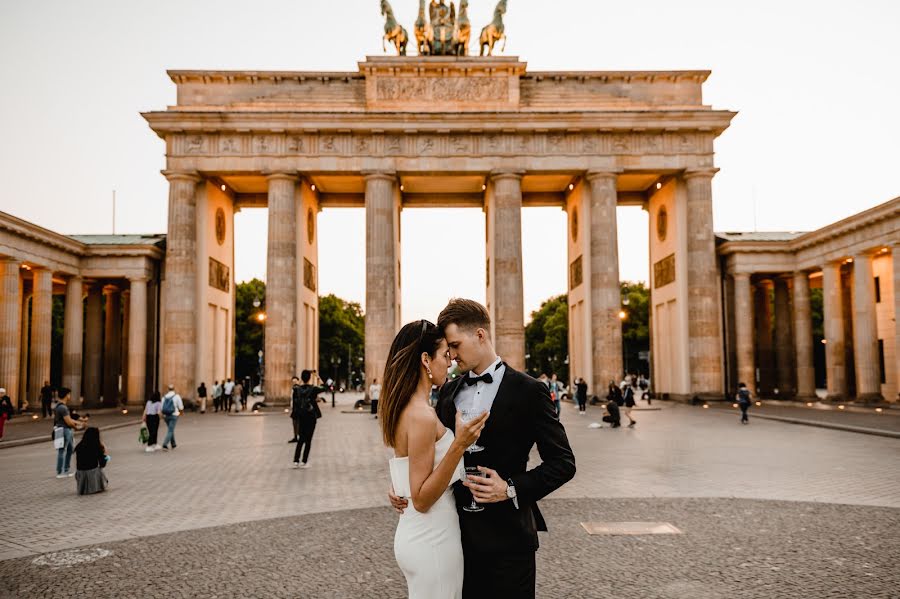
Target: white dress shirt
column 481, row 395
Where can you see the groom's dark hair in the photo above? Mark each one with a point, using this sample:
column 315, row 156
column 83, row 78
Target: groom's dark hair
column 466, row 314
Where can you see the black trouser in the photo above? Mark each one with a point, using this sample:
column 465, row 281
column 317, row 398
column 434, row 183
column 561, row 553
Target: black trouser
column 375, row 406
column 582, row 402
column 307, row 426
column 296, row 422
column 216, row 401
column 496, row 575
column 613, row 421
column 226, row 403
column 152, row 428
column 744, row 407
column 45, row 408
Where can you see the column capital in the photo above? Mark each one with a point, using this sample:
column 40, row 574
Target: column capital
column 10, row 260
column 594, row 175
column 380, row 176
column 140, row 279
column 741, row 275
column 703, row 172
column 507, row 173
column 110, row 288
column 192, row 176
column 282, row 176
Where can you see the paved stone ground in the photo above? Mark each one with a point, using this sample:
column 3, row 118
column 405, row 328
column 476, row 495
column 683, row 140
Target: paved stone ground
column 887, row 419
column 211, row 502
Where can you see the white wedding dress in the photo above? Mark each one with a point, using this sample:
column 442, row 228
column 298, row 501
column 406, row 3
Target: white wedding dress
column 427, row 546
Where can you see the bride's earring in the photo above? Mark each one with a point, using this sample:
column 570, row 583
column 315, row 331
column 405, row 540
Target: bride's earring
column 428, row 370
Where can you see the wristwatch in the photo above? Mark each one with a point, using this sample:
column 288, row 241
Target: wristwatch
column 511, row 492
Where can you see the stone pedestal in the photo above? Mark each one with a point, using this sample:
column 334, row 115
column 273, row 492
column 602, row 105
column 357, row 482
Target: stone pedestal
column 281, row 287
column 381, row 272
column 137, row 342
column 784, row 340
column 73, row 333
column 803, row 338
column 704, row 332
column 743, row 325
column 865, row 332
column 508, row 308
column 179, row 347
column 833, row 309
column 606, row 300
column 10, row 326
column 41, row 334
column 93, row 346
column 112, row 346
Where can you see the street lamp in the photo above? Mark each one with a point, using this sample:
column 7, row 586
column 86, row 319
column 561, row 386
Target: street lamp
column 260, row 317
column 334, row 362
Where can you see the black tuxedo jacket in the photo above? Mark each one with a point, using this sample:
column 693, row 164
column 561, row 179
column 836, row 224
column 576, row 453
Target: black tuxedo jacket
column 522, row 415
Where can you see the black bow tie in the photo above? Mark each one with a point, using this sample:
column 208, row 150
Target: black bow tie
column 484, row 378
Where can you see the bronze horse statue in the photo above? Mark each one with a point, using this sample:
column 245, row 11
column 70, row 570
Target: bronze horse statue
column 423, row 31
column 463, row 29
column 393, row 31
column 495, row 31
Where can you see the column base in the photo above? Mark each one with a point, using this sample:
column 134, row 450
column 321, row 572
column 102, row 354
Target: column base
column 870, row 398
column 835, row 398
column 807, row 398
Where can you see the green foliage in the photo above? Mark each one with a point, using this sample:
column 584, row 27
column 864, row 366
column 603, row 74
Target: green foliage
column 341, row 338
column 547, row 339
column 249, row 330
column 635, row 325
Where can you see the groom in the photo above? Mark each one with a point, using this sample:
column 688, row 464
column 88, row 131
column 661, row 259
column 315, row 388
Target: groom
column 499, row 543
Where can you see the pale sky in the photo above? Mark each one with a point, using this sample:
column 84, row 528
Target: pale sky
column 815, row 82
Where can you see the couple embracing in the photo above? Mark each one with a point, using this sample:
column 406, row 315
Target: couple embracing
column 468, row 502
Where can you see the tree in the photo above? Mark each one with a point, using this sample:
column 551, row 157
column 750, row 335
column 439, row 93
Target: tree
column 341, row 339
column 248, row 328
column 635, row 325
column 547, row 339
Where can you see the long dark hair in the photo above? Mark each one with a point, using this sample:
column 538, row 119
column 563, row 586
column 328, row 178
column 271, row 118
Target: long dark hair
column 401, row 372
column 90, row 441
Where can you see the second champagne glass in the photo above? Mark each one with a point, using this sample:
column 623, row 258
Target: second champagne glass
column 473, row 507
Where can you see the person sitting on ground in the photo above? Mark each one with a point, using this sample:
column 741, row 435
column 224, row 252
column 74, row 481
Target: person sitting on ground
column 90, row 459
column 614, row 393
column 612, row 415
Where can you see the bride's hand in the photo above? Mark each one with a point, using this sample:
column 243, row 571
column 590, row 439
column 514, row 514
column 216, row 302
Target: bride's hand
column 468, row 432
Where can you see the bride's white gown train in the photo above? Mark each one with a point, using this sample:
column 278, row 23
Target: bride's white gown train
column 428, row 546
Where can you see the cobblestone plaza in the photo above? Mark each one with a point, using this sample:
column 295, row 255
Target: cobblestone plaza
column 767, row 510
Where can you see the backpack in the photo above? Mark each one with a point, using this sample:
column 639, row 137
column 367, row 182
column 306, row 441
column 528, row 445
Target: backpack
column 643, row 384
column 168, row 407
column 744, row 396
column 304, row 401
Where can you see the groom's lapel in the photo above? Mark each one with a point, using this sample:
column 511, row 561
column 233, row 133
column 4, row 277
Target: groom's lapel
column 448, row 405
column 505, row 399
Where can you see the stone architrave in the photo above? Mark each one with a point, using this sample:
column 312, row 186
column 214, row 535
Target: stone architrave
column 41, row 333
column 281, row 286
column 137, row 341
column 381, row 271
column 73, row 333
column 833, row 302
column 509, row 308
column 10, row 326
column 606, row 326
column 112, row 345
column 744, row 325
column 865, row 331
column 180, row 329
column 803, row 338
column 704, row 331
column 784, row 340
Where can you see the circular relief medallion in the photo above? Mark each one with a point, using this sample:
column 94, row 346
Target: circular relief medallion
column 220, row 226
column 310, row 225
column 662, row 223
column 575, row 224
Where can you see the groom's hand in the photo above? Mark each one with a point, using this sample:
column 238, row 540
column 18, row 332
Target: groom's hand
column 398, row 503
column 489, row 488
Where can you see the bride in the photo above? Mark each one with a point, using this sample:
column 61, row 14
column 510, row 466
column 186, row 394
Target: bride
column 428, row 459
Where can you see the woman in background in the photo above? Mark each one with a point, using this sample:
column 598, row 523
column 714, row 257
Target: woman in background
column 90, row 460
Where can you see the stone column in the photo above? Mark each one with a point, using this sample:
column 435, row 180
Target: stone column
column 179, row 347
column 784, row 340
column 803, row 338
column 704, row 335
column 381, row 272
column 281, row 287
column 10, row 326
column 509, row 309
column 833, row 309
column 865, row 331
column 112, row 346
column 895, row 260
column 73, row 334
column 743, row 325
column 765, row 354
column 606, row 294
column 137, row 341
column 41, row 334
column 93, row 347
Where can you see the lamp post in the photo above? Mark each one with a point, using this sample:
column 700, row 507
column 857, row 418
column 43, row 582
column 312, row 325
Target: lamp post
column 334, row 362
column 623, row 316
column 260, row 317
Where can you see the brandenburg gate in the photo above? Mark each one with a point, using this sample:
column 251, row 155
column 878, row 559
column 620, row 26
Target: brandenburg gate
column 437, row 132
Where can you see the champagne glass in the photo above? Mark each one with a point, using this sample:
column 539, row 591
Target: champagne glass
column 467, row 416
column 473, row 507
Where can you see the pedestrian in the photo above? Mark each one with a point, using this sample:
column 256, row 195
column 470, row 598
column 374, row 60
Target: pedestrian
column 217, row 395
column 295, row 397
column 63, row 437
column 172, row 407
column 46, row 399
column 374, row 394
column 612, row 414
column 581, row 395
column 152, row 409
column 240, row 398
column 644, row 386
column 743, row 400
column 614, row 393
column 6, row 410
column 201, row 395
column 555, row 392
column 629, row 405
column 305, row 410
column 228, row 391
column 90, row 460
